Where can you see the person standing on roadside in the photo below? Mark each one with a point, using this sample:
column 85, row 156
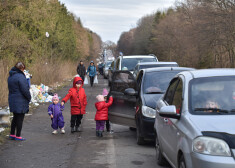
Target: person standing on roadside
column 19, row 98
column 91, row 71
column 81, row 70
column 78, row 102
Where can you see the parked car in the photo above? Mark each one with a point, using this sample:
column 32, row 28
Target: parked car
column 135, row 99
column 195, row 120
column 106, row 68
column 145, row 65
column 128, row 63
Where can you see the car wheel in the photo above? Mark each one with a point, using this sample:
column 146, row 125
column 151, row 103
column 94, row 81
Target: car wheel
column 140, row 140
column 159, row 156
column 182, row 163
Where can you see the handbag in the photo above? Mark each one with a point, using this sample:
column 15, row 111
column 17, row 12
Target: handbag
column 96, row 79
column 86, row 81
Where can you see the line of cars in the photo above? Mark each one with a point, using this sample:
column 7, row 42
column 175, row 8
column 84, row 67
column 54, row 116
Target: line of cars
column 189, row 113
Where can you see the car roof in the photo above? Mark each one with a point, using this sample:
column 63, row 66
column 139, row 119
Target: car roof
column 168, row 69
column 156, row 63
column 210, row 72
column 138, row 56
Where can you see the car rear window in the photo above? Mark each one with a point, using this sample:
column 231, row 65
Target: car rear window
column 157, row 82
column 130, row 63
column 158, row 65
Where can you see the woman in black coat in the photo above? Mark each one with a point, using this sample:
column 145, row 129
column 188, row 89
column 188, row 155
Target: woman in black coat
column 19, row 98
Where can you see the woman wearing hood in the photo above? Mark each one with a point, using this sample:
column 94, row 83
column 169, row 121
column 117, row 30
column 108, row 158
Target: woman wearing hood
column 91, row 70
column 19, row 98
column 78, row 103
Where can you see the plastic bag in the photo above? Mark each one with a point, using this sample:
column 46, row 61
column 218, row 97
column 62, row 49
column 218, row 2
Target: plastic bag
column 85, row 81
column 96, row 79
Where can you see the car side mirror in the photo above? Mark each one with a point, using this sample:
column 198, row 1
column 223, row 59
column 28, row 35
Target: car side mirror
column 130, row 92
column 169, row 112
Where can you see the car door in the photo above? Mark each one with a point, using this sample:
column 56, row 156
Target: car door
column 170, row 127
column 122, row 111
column 163, row 122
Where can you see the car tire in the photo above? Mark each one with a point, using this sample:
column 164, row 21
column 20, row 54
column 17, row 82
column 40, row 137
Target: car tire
column 140, row 140
column 182, row 163
column 159, row 156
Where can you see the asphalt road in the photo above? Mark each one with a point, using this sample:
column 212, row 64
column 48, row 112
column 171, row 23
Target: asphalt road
column 83, row 150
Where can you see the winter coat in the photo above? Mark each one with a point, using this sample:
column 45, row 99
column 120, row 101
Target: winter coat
column 78, row 100
column 19, row 94
column 102, row 109
column 91, row 70
column 55, row 109
column 81, row 70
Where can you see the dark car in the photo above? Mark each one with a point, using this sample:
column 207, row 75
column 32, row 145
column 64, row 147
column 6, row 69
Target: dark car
column 145, row 65
column 135, row 99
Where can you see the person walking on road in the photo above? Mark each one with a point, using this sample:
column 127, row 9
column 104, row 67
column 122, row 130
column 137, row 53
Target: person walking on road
column 19, row 98
column 81, row 70
column 101, row 113
column 78, row 101
column 55, row 112
column 91, row 71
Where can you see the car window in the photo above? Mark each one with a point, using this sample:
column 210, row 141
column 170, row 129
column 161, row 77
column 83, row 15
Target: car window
column 158, row 65
column 139, row 80
column 112, row 65
column 177, row 99
column 212, row 95
column 158, row 81
column 117, row 64
column 170, row 92
column 130, row 63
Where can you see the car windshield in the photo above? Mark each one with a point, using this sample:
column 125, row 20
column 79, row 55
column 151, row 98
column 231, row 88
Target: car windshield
column 157, row 82
column 212, row 95
column 130, row 63
column 158, row 65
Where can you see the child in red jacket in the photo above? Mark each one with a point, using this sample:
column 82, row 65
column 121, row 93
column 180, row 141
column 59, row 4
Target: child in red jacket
column 78, row 102
column 101, row 113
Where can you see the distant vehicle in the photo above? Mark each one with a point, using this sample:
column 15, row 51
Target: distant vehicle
column 128, row 63
column 106, row 68
column 135, row 99
column 195, row 120
column 145, row 65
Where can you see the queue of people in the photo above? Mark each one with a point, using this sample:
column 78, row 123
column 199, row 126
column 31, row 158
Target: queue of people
column 19, row 99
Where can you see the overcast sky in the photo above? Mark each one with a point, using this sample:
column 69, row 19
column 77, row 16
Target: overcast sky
column 109, row 18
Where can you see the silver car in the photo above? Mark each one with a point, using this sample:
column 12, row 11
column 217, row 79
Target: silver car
column 195, row 120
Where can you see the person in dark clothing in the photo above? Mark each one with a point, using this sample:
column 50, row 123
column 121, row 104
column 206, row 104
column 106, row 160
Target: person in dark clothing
column 81, row 70
column 19, row 98
column 91, row 71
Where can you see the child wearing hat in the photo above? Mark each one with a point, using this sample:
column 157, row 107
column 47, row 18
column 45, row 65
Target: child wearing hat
column 78, row 102
column 55, row 112
column 101, row 113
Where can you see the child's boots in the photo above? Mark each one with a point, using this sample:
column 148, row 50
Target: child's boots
column 72, row 130
column 100, row 133
column 97, row 133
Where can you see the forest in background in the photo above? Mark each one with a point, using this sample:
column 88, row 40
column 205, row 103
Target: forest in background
column 23, row 27
column 195, row 33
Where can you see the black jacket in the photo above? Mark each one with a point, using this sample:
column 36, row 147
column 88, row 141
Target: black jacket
column 19, row 94
column 81, row 70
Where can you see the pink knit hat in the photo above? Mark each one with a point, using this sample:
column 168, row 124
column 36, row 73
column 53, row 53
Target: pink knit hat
column 55, row 97
column 105, row 92
column 100, row 98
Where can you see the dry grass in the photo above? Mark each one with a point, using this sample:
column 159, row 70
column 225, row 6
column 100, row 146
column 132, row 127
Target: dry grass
column 46, row 72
